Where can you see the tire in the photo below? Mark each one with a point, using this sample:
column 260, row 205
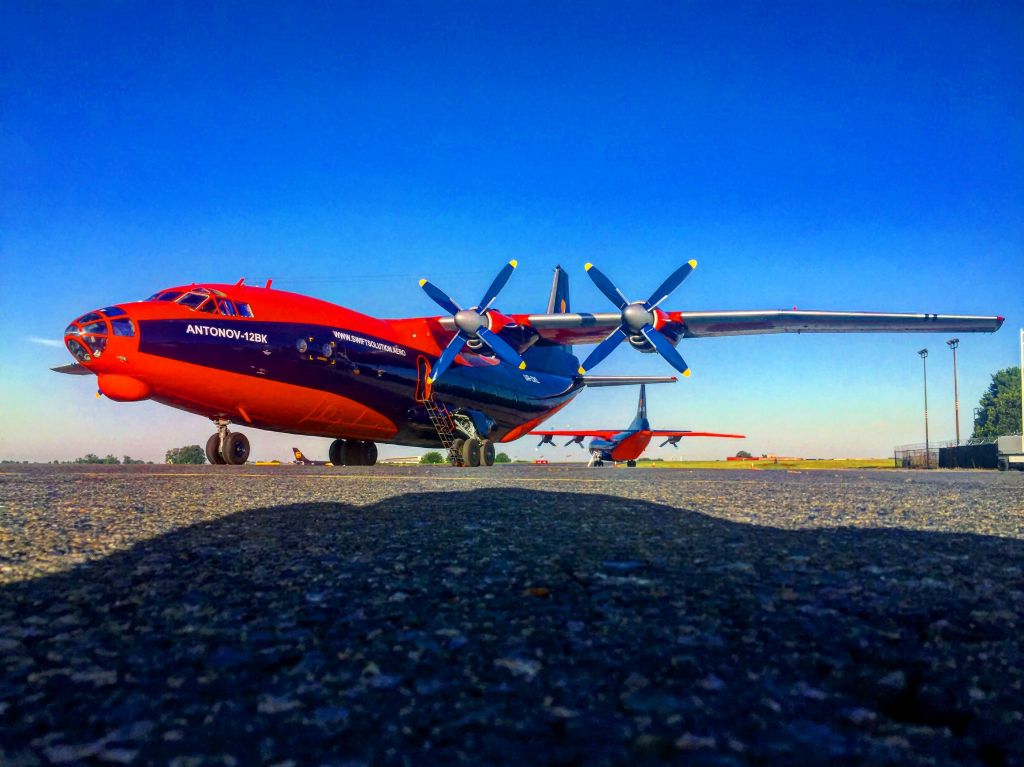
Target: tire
column 213, row 451
column 456, row 452
column 236, row 449
column 338, row 452
column 486, row 453
column 354, row 453
column 471, row 453
column 369, row 453
column 631, row 464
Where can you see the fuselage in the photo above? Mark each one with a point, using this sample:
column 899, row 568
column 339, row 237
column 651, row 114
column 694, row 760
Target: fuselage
column 285, row 362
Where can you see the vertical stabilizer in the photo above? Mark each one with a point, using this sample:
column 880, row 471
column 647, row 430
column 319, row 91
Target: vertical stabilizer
column 641, row 406
column 558, row 301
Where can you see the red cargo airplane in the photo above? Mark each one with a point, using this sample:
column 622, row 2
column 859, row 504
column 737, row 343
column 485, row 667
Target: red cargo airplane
column 617, row 445
column 290, row 363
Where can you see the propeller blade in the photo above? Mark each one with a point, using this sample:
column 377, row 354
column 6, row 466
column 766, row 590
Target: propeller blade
column 605, row 285
column 501, row 348
column 665, row 349
column 440, row 297
column 672, row 282
column 448, row 355
column 603, row 349
column 496, row 286
column 673, row 441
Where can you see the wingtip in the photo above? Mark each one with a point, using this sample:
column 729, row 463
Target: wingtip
column 693, row 263
column 422, row 283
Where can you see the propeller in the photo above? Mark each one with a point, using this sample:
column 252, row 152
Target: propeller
column 547, row 439
column 673, row 441
column 578, row 440
column 638, row 318
column 472, row 324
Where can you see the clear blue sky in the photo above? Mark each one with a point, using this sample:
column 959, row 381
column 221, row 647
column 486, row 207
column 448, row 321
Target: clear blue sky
column 824, row 155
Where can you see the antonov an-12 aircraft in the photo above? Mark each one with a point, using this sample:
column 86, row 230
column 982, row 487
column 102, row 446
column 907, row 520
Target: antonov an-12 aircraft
column 269, row 359
column 618, row 445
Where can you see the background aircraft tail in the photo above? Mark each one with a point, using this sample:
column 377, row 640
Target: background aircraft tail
column 641, row 406
column 299, row 457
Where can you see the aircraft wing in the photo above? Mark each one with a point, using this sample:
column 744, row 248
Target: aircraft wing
column 581, row 328
column 600, row 433
column 662, row 433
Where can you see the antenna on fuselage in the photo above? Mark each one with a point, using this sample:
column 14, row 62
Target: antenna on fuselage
column 241, row 281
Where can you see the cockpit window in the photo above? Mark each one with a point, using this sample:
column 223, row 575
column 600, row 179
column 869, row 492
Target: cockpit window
column 209, row 306
column 90, row 317
column 123, row 327
column 193, row 300
column 244, row 310
column 169, row 295
column 112, row 311
column 226, row 307
column 95, row 328
column 78, row 351
column 72, row 330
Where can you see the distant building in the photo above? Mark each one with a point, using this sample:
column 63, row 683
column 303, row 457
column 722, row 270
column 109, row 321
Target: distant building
column 403, row 460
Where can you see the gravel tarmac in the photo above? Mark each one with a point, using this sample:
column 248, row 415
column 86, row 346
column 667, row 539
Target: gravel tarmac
column 513, row 615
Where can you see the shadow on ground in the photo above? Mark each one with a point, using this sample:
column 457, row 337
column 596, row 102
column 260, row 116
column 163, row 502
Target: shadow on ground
column 518, row 627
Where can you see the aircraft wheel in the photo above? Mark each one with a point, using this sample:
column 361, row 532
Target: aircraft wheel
column 470, row 453
column 631, row 464
column 338, row 452
column 354, row 453
column 213, row 450
column 369, row 453
column 486, row 453
column 456, row 452
column 236, row 448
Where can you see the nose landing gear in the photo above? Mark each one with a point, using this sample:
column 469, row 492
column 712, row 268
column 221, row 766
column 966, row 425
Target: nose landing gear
column 227, row 447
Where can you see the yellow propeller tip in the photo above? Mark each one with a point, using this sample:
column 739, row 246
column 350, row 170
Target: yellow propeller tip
column 587, row 267
column 582, row 371
column 430, row 380
column 693, row 263
column 422, row 283
column 522, row 366
column 686, row 373
column 513, row 263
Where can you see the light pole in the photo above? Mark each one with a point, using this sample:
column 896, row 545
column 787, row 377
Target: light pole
column 953, row 343
column 927, row 447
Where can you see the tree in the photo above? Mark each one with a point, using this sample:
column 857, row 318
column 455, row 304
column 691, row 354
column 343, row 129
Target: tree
column 999, row 408
column 742, row 454
column 502, row 458
column 129, row 461
column 189, row 454
column 432, row 457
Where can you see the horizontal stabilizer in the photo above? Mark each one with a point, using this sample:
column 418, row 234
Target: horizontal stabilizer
column 74, row 369
column 625, row 380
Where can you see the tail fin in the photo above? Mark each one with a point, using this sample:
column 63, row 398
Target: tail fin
column 299, row 457
column 641, row 406
column 558, row 301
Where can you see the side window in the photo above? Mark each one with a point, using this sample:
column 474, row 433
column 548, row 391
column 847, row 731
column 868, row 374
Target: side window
column 209, row 307
column 122, row 327
column 226, row 307
column 244, row 310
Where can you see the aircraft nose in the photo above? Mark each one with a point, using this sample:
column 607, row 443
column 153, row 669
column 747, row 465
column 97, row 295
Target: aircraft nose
column 87, row 336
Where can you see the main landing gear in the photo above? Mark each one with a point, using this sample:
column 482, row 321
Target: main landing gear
column 472, row 452
column 227, row 447
column 352, row 452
